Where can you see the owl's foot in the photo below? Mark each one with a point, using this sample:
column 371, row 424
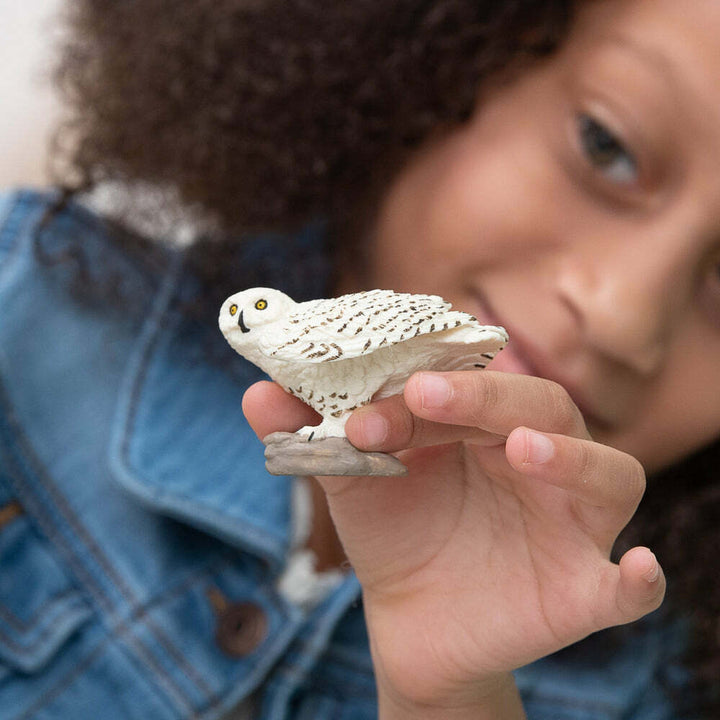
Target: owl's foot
column 329, row 427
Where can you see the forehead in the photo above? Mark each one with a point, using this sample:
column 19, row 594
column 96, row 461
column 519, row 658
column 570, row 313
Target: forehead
column 679, row 40
column 665, row 51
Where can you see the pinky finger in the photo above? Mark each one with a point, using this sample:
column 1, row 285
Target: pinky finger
column 638, row 588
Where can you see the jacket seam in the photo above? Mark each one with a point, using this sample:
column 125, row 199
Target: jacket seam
column 120, row 444
column 30, row 464
column 78, row 542
column 52, row 692
column 38, row 510
column 22, row 625
column 123, row 633
column 30, row 650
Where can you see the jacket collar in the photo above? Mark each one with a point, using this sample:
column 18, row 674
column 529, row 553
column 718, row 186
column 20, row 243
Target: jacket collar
column 180, row 442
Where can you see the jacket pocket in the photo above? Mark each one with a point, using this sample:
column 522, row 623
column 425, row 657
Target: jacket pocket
column 40, row 607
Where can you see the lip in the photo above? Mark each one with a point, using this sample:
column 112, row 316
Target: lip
column 521, row 357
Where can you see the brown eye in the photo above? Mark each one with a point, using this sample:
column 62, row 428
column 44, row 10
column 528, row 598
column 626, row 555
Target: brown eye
column 261, row 304
column 233, row 309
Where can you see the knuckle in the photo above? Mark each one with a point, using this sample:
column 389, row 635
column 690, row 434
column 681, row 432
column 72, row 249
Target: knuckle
column 562, row 406
column 404, row 426
column 635, row 479
column 557, row 396
column 482, row 396
column 413, row 431
column 585, row 461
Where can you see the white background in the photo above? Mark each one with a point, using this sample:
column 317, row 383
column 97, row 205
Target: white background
column 28, row 106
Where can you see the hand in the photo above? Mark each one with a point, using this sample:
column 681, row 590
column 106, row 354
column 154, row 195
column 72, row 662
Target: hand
column 494, row 551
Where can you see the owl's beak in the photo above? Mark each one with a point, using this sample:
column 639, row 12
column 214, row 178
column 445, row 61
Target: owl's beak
column 243, row 327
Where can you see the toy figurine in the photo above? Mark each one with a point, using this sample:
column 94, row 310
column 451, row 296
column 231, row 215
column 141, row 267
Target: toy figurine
column 340, row 353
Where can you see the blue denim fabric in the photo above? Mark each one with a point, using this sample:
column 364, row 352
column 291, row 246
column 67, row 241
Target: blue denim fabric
column 135, row 495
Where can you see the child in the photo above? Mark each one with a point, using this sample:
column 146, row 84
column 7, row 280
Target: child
column 546, row 166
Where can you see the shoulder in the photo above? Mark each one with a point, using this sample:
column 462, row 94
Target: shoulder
column 65, row 245
column 23, row 210
column 20, row 210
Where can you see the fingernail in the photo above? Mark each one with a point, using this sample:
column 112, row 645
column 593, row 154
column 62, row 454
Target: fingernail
column 435, row 391
column 374, row 428
column 538, row 448
column 653, row 573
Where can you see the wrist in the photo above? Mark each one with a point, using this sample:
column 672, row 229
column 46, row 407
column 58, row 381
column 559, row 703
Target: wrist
column 497, row 700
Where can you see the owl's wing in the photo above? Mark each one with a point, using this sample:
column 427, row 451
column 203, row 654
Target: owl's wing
column 357, row 324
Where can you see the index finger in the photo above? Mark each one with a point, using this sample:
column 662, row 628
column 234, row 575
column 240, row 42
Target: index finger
column 478, row 405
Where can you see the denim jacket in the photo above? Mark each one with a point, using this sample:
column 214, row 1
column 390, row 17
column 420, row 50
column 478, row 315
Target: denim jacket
column 141, row 538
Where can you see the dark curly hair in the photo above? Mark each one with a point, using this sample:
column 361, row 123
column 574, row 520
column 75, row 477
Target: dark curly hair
column 263, row 114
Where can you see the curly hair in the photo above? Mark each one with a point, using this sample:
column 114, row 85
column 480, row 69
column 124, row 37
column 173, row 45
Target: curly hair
column 263, row 114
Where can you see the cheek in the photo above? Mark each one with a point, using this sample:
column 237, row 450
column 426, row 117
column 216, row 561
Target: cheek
column 681, row 413
column 443, row 215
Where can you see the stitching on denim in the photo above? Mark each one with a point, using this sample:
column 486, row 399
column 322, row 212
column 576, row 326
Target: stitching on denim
column 123, row 632
column 41, row 517
column 73, row 558
column 37, row 507
column 302, row 673
column 30, row 650
column 161, row 316
column 142, row 614
column 167, row 291
column 273, row 600
column 87, row 543
column 96, row 554
column 27, row 460
column 22, row 625
column 149, row 339
column 26, row 626
column 51, row 693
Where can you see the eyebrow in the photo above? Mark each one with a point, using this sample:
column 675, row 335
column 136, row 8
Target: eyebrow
column 665, row 70
column 686, row 93
column 649, row 56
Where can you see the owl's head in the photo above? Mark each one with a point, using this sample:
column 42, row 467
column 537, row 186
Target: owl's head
column 250, row 310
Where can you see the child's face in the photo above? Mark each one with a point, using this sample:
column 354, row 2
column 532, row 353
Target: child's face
column 580, row 208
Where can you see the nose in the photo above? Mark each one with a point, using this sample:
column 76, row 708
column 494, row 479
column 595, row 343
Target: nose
column 624, row 296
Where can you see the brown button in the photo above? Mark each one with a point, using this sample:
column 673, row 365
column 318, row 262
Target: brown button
column 9, row 512
column 241, row 627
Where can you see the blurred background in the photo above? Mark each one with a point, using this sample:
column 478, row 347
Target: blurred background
column 28, row 106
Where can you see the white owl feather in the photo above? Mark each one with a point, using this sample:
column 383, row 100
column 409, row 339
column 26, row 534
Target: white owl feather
column 337, row 354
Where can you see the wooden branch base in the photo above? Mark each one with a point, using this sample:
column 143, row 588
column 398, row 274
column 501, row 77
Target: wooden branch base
column 290, row 454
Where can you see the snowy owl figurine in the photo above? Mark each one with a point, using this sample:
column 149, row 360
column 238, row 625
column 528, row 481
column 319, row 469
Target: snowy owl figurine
column 340, row 353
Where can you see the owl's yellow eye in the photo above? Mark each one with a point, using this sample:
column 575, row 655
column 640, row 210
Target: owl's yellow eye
column 233, row 309
column 261, row 304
